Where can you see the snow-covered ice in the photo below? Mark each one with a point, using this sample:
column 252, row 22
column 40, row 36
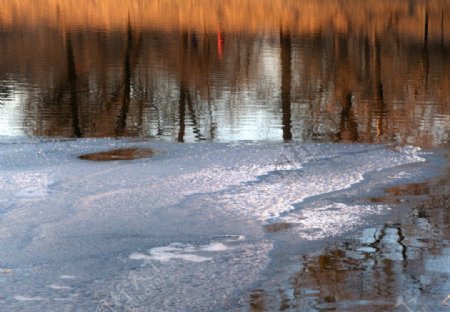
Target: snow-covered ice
column 194, row 211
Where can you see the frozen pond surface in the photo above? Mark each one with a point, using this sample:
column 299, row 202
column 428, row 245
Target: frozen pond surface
column 146, row 224
column 181, row 231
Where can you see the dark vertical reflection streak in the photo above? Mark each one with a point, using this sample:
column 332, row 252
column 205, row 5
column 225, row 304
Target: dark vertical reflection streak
column 379, row 95
column 367, row 70
column 184, row 93
column 411, row 7
column 286, row 81
column 425, row 57
column 425, row 29
column 212, row 129
column 348, row 128
column 72, row 77
column 190, row 53
column 122, row 118
column 442, row 28
column 443, row 49
column 401, row 239
column 196, row 129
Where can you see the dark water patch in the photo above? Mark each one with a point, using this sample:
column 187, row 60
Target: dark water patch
column 409, row 189
column 277, row 227
column 257, row 300
column 402, row 193
column 402, row 264
column 120, row 154
column 385, row 200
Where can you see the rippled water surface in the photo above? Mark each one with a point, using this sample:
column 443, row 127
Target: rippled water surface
column 257, row 70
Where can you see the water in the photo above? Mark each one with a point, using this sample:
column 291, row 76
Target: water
column 401, row 265
column 224, row 156
column 341, row 71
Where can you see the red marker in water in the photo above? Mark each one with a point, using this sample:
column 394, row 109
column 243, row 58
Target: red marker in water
column 219, row 44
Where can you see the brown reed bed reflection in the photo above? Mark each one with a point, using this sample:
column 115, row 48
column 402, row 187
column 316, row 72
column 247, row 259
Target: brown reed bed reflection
column 190, row 71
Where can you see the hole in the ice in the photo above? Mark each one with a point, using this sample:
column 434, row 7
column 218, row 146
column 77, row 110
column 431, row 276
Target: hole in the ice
column 120, row 154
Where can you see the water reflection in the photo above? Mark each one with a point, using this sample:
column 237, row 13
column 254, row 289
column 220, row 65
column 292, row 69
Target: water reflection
column 404, row 265
column 188, row 71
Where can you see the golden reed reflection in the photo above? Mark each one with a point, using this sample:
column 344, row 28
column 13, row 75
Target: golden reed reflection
column 358, row 71
column 253, row 16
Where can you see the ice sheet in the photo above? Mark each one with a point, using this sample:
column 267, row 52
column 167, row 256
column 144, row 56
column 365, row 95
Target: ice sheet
column 44, row 185
column 106, row 218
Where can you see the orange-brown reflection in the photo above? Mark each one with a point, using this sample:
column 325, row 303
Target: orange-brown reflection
column 251, row 16
column 191, row 70
column 404, row 264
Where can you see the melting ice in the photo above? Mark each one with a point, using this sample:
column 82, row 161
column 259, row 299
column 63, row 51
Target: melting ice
column 195, row 210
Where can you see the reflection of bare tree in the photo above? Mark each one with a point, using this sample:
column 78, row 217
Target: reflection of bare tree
column 286, row 78
column 348, row 81
column 369, row 272
column 191, row 55
column 442, row 29
column 424, row 59
column 121, row 123
column 72, row 84
column 184, row 96
column 348, row 128
column 122, row 118
column 379, row 95
column 348, row 275
column 344, row 78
